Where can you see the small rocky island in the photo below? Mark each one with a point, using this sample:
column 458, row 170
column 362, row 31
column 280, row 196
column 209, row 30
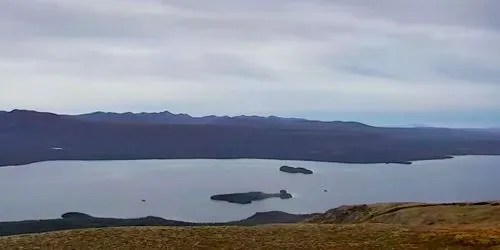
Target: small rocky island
column 247, row 198
column 293, row 170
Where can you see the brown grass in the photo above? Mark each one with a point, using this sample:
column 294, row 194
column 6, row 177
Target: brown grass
column 296, row 236
column 378, row 226
column 414, row 214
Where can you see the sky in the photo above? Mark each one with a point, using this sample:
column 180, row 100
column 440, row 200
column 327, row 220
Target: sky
column 385, row 62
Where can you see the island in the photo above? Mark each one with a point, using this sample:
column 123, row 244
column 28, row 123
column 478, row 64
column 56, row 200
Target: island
column 247, row 198
column 292, row 170
column 76, row 216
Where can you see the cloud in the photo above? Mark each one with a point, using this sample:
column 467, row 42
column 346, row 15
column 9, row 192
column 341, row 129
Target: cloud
column 254, row 57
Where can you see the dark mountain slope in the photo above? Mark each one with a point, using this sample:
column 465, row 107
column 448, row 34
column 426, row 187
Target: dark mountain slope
column 28, row 136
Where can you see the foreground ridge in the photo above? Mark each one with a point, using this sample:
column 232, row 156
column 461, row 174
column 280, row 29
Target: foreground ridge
column 416, row 214
column 293, row 236
column 473, row 225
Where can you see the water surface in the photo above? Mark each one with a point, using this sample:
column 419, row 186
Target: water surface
column 181, row 189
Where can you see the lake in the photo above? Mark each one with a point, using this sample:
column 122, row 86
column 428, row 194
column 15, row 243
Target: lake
column 181, row 189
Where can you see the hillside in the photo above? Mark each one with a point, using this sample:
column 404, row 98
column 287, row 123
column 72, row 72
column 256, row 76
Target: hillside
column 375, row 226
column 412, row 214
column 29, row 136
column 296, row 236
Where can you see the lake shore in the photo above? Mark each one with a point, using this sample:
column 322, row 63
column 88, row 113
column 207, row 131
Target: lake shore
column 5, row 162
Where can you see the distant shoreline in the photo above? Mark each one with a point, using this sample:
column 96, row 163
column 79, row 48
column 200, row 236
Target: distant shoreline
column 29, row 162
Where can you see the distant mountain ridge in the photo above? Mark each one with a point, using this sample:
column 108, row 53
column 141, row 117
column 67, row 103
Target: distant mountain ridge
column 31, row 136
column 167, row 117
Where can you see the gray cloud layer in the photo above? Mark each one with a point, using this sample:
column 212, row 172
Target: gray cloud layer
column 255, row 57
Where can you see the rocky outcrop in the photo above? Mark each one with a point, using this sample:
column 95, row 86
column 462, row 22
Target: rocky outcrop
column 293, row 170
column 247, row 198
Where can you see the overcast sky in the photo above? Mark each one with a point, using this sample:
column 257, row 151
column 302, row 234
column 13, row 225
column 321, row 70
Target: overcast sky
column 381, row 62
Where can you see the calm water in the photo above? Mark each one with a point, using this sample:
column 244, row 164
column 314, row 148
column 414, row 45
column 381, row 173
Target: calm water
column 181, row 189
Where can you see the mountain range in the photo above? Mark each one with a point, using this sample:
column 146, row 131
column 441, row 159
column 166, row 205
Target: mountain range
column 242, row 120
column 31, row 136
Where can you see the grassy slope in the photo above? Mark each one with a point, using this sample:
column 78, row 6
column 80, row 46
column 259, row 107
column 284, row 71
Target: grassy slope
column 299, row 236
column 413, row 213
column 401, row 226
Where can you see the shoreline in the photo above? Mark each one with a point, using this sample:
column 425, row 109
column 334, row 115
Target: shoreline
column 21, row 163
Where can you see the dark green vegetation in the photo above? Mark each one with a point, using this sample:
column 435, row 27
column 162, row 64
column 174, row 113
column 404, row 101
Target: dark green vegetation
column 293, row 170
column 28, row 136
column 247, row 198
column 39, row 226
column 75, row 220
column 377, row 226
